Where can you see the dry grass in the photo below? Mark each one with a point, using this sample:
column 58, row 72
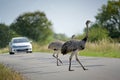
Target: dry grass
column 8, row 74
column 40, row 48
column 4, row 50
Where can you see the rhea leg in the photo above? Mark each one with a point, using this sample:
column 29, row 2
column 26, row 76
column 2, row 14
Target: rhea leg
column 57, row 52
column 72, row 54
column 58, row 58
column 79, row 62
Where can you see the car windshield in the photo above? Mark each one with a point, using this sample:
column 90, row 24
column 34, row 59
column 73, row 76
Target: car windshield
column 20, row 40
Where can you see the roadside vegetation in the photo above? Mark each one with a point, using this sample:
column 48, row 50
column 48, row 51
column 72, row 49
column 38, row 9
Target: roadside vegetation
column 103, row 48
column 8, row 74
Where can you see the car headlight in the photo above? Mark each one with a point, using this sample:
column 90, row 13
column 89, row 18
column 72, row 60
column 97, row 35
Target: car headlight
column 29, row 45
column 14, row 46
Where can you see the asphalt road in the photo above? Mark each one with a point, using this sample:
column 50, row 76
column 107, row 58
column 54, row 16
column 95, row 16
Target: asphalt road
column 42, row 66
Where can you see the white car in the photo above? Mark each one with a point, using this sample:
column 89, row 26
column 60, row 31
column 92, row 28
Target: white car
column 20, row 44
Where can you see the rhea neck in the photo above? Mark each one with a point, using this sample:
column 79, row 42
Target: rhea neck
column 86, row 36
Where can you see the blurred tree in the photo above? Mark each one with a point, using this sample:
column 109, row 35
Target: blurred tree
column 109, row 18
column 35, row 26
column 62, row 37
column 5, row 35
column 95, row 33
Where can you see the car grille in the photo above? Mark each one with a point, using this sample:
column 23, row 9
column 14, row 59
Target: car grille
column 22, row 49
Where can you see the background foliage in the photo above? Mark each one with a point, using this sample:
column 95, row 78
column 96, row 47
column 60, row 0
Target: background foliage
column 35, row 26
column 5, row 35
column 109, row 18
column 107, row 24
column 62, row 37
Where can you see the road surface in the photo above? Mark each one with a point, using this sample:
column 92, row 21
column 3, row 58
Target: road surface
column 42, row 66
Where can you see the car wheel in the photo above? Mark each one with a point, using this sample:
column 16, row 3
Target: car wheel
column 29, row 52
column 11, row 53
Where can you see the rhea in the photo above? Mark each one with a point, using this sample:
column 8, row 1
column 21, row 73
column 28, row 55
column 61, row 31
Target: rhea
column 56, row 47
column 74, row 46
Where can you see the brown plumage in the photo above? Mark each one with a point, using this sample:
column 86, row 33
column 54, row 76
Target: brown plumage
column 74, row 46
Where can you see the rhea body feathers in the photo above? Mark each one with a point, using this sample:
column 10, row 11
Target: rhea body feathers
column 73, row 45
column 56, row 45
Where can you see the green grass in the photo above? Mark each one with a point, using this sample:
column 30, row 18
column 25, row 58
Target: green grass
column 8, row 74
column 102, row 48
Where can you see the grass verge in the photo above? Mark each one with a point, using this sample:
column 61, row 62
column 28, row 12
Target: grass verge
column 4, row 50
column 8, row 74
column 102, row 48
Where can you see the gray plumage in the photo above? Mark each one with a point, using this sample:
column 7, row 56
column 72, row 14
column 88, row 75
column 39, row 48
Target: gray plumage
column 74, row 46
column 56, row 47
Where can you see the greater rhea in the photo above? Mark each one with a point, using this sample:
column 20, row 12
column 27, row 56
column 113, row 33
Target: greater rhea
column 74, row 46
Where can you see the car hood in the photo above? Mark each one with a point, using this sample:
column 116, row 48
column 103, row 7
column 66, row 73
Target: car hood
column 21, row 44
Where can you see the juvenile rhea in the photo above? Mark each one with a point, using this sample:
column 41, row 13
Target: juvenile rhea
column 74, row 46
